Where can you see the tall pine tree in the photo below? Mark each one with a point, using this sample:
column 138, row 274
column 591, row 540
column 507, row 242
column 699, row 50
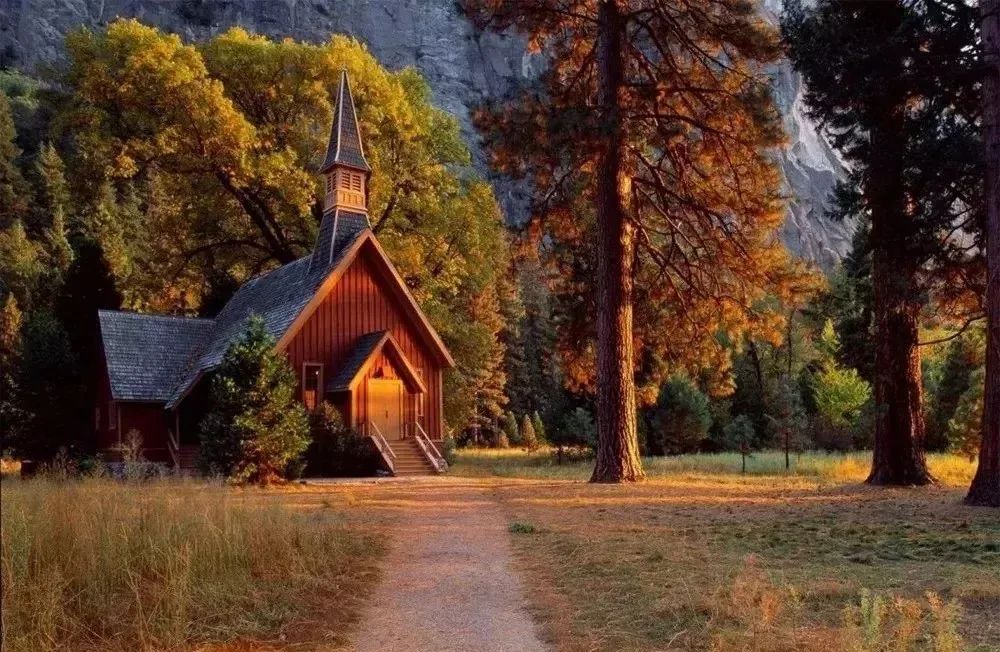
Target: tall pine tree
column 985, row 489
column 647, row 140
column 890, row 83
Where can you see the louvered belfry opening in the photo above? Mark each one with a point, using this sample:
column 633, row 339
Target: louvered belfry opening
column 345, row 204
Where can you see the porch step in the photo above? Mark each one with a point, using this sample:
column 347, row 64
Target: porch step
column 410, row 459
column 188, row 457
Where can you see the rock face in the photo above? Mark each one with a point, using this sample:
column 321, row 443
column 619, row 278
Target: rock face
column 463, row 68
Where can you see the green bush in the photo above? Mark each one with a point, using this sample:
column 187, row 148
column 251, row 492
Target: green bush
column 680, row 420
column 255, row 426
column 510, row 429
column 529, row 439
column 578, row 428
column 336, row 450
column 448, row 449
column 539, row 426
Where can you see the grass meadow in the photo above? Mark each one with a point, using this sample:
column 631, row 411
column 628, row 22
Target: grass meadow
column 171, row 565
column 701, row 557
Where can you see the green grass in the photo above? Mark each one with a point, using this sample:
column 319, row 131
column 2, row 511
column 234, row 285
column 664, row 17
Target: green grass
column 99, row 565
column 835, row 467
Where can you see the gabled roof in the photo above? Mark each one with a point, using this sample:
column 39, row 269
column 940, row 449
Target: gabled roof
column 366, row 349
column 285, row 298
column 345, row 146
column 147, row 355
column 277, row 297
column 367, row 239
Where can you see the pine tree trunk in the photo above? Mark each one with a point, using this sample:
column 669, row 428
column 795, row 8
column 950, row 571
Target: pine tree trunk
column 617, row 443
column 985, row 489
column 898, row 457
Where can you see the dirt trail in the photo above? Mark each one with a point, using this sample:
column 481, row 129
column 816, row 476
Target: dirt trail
column 448, row 582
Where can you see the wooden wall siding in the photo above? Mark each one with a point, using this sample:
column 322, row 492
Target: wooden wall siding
column 360, row 303
column 150, row 420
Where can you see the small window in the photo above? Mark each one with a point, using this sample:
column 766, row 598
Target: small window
column 329, row 183
column 345, row 180
column 355, row 182
column 312, row 383
column 112, row 421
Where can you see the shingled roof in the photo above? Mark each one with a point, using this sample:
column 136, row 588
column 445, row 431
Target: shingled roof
column 365, row 349
column 345, row 146
column 277, row 297
column 147, row 355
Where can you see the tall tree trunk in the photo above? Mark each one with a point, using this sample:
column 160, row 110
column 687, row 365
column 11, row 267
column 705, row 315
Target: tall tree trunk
column 985, row 489
column 617, row 444
column 898, row 457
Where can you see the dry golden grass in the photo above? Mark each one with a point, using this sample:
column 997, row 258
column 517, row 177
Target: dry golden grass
column 99, row 565
column 834, row 467
column 664, row 564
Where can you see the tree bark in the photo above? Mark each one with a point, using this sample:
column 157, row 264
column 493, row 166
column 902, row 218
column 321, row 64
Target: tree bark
column 617, row 445
column 985, row 489
column 898, row 457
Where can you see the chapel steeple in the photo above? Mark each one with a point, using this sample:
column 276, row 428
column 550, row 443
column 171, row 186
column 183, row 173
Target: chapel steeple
column 346, row 172
column 345, row 166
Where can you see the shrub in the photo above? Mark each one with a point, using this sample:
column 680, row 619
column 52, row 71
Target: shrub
column 255, row 425
column 510, row 429
column 965, row 426
column 539, row 426
column 448, row 449
column 680, row 420
column 528, row 437
column 337, row 450
column 577, row 427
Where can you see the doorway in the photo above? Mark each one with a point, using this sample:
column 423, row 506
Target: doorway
column 385, row 406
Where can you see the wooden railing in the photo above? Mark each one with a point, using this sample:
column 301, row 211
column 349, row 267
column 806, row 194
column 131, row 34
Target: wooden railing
column 430, row 451
column 384, row 449
column 174, row 448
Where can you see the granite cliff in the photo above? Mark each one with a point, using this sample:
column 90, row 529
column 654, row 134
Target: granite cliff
column 463, row 68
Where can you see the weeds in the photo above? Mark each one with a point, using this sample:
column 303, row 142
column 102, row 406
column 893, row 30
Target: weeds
column 518, row 527
column 876, row 624
column 96, row 564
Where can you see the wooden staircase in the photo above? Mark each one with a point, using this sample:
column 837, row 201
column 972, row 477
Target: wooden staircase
column 410, row 460
column 187, row 458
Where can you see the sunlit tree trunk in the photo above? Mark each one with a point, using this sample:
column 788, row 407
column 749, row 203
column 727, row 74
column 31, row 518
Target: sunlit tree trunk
column 617, row 447
column 898, row 457
column 985, row 489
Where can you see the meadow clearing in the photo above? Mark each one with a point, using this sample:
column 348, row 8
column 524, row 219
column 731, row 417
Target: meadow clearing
column 698, row 557
column 702, row 557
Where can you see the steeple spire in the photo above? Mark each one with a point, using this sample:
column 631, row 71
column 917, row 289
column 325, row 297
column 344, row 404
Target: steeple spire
column 345, row 205
column 345, row 165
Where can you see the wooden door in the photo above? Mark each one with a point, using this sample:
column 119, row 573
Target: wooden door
column 385, row 406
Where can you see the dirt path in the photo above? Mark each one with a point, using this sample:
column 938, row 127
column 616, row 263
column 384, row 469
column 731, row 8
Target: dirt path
column 448, row 582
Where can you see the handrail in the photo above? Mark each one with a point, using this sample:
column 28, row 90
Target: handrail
column 174, row 447
column 429, row 449
column 382, row 445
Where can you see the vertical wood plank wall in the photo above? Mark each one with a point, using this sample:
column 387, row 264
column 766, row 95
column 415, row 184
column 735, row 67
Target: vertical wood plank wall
column 360, row 303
